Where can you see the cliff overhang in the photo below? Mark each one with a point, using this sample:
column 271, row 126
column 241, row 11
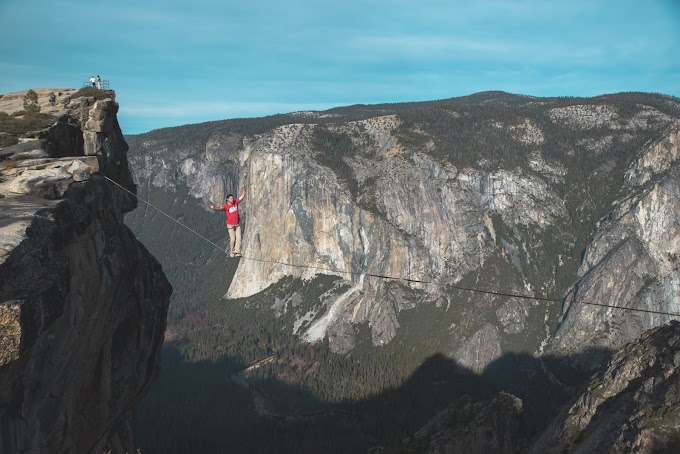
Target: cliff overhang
column 83, row 304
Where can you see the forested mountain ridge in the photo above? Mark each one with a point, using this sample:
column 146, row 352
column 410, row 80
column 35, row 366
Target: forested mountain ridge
column 432, row 188
column 632, row 260
column 492, row 192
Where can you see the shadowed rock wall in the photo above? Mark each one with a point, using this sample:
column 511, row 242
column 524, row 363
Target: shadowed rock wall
column 83, row 304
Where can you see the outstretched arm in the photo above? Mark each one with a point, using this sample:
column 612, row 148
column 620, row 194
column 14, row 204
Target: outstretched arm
column 243, row 191
column 213, row 207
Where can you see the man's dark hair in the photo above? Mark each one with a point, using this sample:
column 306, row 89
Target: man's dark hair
column 229, row 195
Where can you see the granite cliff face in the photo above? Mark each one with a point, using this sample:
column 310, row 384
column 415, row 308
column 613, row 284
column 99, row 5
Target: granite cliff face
column 82, row 303
column 415, row 216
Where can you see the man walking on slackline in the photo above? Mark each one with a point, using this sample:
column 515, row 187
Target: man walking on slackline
column 230, row 207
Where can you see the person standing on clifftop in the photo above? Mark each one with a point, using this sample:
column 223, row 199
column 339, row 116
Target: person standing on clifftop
column 99, row 82
column 93, row 81
column 230, row 207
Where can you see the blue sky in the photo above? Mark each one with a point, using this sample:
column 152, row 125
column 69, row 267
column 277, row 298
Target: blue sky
column 177, row 62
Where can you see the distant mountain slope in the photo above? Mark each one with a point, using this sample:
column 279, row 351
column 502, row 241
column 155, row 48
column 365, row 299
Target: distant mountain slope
column 497, row 189
column 633, row 259
column 496, row 192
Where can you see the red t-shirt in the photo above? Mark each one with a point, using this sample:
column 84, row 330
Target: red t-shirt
column 232, row 212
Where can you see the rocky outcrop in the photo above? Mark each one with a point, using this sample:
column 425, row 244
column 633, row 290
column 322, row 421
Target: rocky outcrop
column 632, row 261
column 467, row 426
column 632, row 404
column 481, row 350
column 82, row 303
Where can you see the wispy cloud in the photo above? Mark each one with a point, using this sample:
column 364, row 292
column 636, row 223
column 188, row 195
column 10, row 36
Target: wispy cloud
column 136, row 119
column 257, row 58
column 427, row 46
column 220, row 109
column 445, row 48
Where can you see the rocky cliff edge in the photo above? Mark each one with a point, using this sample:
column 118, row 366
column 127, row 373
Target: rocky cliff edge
column 83, row 304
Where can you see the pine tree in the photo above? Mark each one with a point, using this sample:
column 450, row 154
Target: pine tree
column 31, row 105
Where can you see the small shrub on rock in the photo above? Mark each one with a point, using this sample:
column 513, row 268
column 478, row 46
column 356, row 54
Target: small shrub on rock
column 93, row 92
column 12, row 127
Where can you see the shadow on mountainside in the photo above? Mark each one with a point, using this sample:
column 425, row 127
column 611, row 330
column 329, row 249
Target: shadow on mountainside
column 543, row 384
column 201, row 407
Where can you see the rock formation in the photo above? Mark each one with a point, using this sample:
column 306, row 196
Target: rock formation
column 82, row 303
column 467, row 426
column 632, row 404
